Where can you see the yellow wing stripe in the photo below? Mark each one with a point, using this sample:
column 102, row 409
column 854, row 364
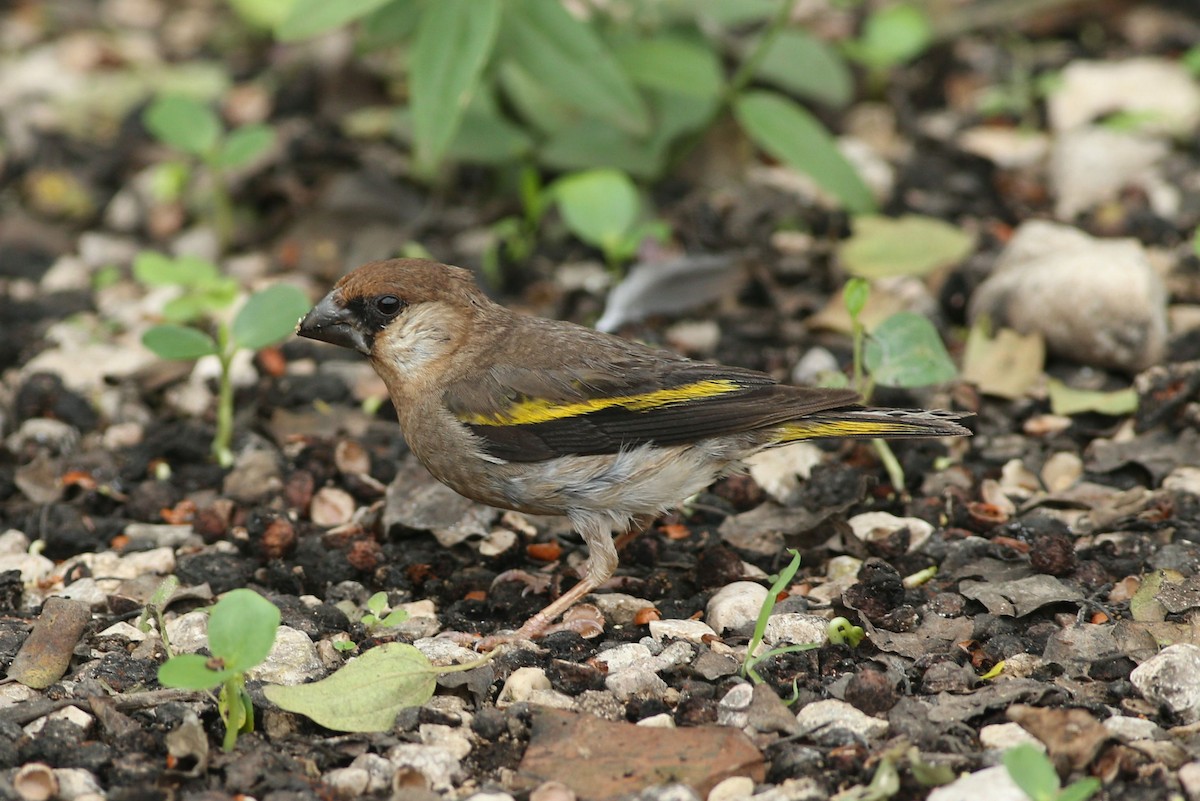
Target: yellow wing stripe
column 814, row 429
column 539, row 410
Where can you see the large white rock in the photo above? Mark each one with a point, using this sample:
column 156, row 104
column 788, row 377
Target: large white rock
column 1096, row 301
column 1170, row 679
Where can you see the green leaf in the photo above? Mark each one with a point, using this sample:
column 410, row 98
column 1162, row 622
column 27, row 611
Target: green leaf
column 155, row 269
column 245, row 144
column 789, row 133
column 310, row 18
column 390, row 24
column 269, row 316
column 881, row 247
column 487, row 137
column 906, row 351
column 241, row 629
column 1080, row 790
column 178, row 342
column 673, row 64
column 1031, row 770
column 183, row 123
column 532, row 101
column 892, row 36
column 591, row 144
column 191, row 672
column 803, row 64
column 262, row 15
column 572, row 62
column 855, row 295
column 454, row 41
column 367, row 693
column 1067, row 400
column 598, row 206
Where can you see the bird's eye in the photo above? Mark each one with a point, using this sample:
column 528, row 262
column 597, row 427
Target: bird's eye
column 388, row 305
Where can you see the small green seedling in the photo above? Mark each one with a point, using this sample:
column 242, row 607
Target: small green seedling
column 154, row 609
column 903, row 351
column 267, row 317
column 603, row 209
column 778, row 586
column 891, row 36
column 842, row 632
column 241, row 631
column 516, row 236
column 1030, row 769
column 193, row 128
column 378, row 615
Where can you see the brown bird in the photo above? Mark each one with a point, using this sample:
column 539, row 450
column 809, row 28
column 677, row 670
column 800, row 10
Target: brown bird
column 548, row 417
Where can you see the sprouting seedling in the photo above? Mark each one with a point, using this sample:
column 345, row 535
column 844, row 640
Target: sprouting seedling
column 1030, row 769
column 194, row 316
column 778, row 586
column 603, row 209
column 378, row 615
column 241, row 631
column 517, row 235
column 904, row 350
column 195, row 129
column 842, row 632
column 891, row 36
column 154, row 609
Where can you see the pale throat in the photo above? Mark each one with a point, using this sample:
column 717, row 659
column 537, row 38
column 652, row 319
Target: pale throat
column 417, row 339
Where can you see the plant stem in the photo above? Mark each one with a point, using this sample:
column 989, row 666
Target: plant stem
column 857, row 338
column 745, row 70
column 224, row 434
column 892, row 465
column 222, row 204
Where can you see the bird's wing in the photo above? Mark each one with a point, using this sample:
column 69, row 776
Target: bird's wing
column 529, row 415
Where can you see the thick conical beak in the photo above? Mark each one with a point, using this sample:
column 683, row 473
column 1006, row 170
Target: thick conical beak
column 331, row 322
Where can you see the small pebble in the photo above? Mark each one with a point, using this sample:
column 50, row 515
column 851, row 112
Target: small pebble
column 732, row 789
column 735, row 605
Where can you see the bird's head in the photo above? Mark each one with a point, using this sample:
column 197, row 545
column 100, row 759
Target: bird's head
column 403, row 314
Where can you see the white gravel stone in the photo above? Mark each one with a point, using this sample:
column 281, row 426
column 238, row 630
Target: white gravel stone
column 69, row 713
column 87, row 590
column 735, row 788
column 994, row 784
column 490, row 797
column 379, row 771
column 689, row 630
column 75, row 784
column 732, row 708
column 520, row 685
column 293, row 659
column 15, row 693
column 624, row 656
column 13, row 542
column 795, row 628
column 1161, row 89
column 779, row 470
column 443, row 651
column 662, row 720
column 618, row 608
column 125, row 630
column 1002, row 736
column 878, row 526
column 34, row 568
column 438, row 766
column 1189, row 777
column 1182, row 479
column 347, row 783
column 1169, row 678
column 1130, row 730
column 553, row 699
column 452, row 738
column 635, row 682
column 805, row 789
column 1130, row 159
column 735, row 605
column 1099, row 302
column 822, row 719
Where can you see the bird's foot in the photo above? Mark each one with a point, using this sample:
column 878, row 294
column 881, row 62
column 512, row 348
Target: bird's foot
column 584, row 619
column 537, row 583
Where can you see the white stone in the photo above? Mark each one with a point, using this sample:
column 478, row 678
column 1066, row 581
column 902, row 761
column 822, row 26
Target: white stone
column 735, row 605
column 690, row 630
column 520, row 685
column 86, row 590
column 994, row 784
column 69, row 713
column 437, row 765
column 1129, row 159
column 878, row 526
column 1061, row 471
column 732, row 708
column 188, row 633
column 618, row 608
column 662, row 720
column 293, row 659
column 1130, row 730
column 443, row 651
column 1096, row 301
column 635, row 682
column 795, row 628
column 125, row 630
column 13, row 542
column 1162, row 90
column 779, row 470
column 624, row 656
column 552, row 698
column 490, row 797
column 347, row 783
column 1006, row 147
column 1169, row 678
column 453, row 739
column 1002, row 736
column 735, row 788
column 1183, row 479
column 34, row 568
column 14, row 693
column 1189, row 777
column 822, row 718
column 75, row 784
column 379, row 771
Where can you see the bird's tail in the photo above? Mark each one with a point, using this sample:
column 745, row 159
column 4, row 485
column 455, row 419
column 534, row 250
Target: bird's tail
column 871, row 423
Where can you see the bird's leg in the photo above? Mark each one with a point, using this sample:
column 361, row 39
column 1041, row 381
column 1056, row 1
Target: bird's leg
column 636, row 529
column 601, row 564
